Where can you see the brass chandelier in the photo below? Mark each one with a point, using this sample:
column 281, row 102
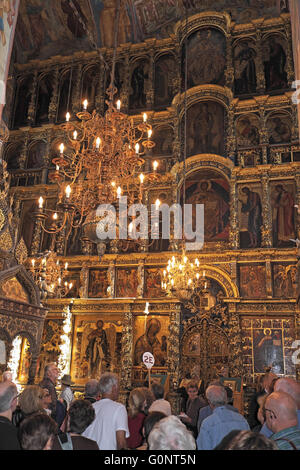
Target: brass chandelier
column 49, row 274
column 100, row 159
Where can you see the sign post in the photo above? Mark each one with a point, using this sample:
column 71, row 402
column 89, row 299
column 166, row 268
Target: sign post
column 148, row 360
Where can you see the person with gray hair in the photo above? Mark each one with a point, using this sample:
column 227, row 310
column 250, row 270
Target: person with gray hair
column 91, row 391
column 160, row 404
column 291, row 387
column 221, row 422
column 171, row 434
column 8, row 402
column 110, row 426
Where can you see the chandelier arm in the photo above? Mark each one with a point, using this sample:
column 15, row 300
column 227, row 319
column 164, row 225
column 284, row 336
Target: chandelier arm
column 58, row 230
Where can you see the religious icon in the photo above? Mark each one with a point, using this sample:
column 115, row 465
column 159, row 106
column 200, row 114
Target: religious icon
column 275, row 64
column 97, row 351
column 253, row 281
column 250, row 218
column 282, row 202
column 127, row 282
column 247, row 131
column 214, row 194
column 268, row 350
column 245, row 68
column 149, row 342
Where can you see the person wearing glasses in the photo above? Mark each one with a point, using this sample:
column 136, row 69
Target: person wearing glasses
column 280, row 411
column 8, row 402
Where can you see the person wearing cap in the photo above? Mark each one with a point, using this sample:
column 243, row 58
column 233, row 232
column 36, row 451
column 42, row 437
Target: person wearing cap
column 66, row 394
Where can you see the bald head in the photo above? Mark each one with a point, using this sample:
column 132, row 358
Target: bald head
column 290, row 386
column 281, row 411
column 216, row 395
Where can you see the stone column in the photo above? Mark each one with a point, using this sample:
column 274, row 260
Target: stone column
column 24, row 152
column 266, row 232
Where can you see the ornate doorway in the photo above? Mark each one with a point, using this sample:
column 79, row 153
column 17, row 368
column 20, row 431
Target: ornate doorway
column 205, row 349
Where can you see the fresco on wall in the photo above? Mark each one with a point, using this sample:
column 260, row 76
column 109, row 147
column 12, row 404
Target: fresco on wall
column 206, row 58
column 245, row 67
column 213, row 191
column 98, row 283
column 50, row 27
column 126, row 282
column 165, row 73
column 205, row 133
column 8, row 18
column 253, row 281
column 275, row 62
column 279, row 129
column 247, row 131
column 284, row 280
column 283, row 213
column 250, row 215
column 151, row 335
column 96, row 347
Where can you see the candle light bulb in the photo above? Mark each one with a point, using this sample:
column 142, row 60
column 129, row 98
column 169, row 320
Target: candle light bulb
column 68, row 191
column 68, row 117
column 66, row 266
column 33, row 262
column 142, row 177
column 137, row 148
column 57, row 167
column 70, row 285
column 149, row 133
column 118, row 105
column 41, row 202
column 98, row 142
column 157, row 203
column 155, row 165
column 85, row 104
column 55, row 218
column 75, row 134
column 59, row 281
column 119, row 191
column 61, row 148
column 203, row 273
column 113, row 184
column 145, row 117
column 130, row 227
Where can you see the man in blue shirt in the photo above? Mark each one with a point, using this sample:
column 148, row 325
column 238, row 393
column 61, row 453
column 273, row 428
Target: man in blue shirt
column 292, row 388
column 221, row 422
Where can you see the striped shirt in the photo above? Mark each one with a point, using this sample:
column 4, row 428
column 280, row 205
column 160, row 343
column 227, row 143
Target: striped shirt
column 289, row 434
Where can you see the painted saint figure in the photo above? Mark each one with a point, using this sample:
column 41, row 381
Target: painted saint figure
column 252, row 206
column 149, row 342
column 283, row 215
column 97, row 352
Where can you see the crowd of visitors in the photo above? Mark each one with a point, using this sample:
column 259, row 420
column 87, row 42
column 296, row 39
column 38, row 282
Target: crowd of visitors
column 37, row 419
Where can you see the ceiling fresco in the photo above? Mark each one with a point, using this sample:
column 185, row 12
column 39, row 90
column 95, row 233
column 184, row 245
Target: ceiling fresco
column 50, row 27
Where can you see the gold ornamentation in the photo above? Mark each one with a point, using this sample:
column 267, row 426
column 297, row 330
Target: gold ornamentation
column 21, row 252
